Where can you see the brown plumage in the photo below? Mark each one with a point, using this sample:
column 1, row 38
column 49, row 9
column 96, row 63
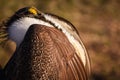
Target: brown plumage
column 46, row 47
column 45, row 54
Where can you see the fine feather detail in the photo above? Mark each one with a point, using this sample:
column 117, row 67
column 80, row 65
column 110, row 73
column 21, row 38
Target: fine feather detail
column 71, row 34
column 70, row 60
column 56, row 59
column 3, row 33
column 18, row 29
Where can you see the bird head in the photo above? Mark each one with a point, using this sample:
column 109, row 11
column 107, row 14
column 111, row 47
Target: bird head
column 19, row 23
column 13, row 30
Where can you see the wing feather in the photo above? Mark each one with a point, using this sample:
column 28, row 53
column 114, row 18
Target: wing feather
column 68, row 27
column 64, row 63
column 67, row 52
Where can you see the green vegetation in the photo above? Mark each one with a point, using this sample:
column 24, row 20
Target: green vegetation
column 97, row 21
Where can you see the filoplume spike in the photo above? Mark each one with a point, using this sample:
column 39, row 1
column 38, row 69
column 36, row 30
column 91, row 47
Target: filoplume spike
column 7, row 46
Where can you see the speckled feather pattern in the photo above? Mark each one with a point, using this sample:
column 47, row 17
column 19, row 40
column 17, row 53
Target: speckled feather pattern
column 48, row 48
column 44, row 55
column 18, row 29
column 38, row 59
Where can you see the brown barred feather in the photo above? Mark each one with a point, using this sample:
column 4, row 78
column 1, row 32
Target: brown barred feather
column 45, row 54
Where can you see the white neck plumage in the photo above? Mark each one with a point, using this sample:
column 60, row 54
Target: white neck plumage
column 18, row 29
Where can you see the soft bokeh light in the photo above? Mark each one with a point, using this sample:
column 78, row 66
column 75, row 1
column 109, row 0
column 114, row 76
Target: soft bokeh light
column 98, row 22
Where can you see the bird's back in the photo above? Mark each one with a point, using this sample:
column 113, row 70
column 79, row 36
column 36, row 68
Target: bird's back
column 45, row 54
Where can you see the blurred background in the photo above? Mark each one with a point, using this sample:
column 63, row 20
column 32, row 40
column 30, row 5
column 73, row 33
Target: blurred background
column 98, row 22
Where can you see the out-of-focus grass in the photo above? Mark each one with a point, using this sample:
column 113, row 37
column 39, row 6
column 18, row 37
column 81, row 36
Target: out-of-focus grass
column 98, row 22
column 7, row 49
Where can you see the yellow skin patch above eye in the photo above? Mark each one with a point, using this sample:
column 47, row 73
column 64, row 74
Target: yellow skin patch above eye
column 33, row 10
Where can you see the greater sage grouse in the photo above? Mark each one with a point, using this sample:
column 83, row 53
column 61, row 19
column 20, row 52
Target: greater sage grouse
column 48, row 47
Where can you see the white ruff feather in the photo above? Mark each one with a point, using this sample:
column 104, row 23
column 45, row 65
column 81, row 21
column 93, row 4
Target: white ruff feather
column 18, row 29
column 80, row 50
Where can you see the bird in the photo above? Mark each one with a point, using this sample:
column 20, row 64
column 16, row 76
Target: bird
column 48, row 47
